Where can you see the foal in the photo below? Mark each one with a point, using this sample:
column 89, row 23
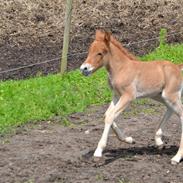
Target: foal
column 130, row 79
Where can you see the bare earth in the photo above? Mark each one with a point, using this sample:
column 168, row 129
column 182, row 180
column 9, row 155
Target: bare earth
column 48, row 152
column 32, row 31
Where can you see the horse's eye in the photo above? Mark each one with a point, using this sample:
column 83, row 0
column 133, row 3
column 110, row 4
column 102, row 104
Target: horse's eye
column 100, row 54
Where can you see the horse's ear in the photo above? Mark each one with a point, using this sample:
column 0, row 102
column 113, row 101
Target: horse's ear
column 107, row 38
column 103, row 36
column 99, row 35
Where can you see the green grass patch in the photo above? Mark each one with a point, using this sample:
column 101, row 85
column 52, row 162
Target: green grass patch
column 173, row 53
column 44, row 97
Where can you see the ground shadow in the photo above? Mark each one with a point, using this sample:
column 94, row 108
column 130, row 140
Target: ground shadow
column 129, row 154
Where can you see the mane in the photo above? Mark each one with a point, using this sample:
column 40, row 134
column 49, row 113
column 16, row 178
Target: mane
column 125, row 51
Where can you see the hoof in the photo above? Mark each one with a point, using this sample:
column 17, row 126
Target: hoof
column 159, row 142
column 160, row 146
column 97, row 159
column 175, row 160
column 98, row 152
column 129, row 140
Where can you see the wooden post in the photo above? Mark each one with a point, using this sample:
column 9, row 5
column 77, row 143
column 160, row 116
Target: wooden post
column 67, row 24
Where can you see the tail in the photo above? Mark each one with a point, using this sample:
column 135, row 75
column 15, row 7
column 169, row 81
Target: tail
column 180, row 66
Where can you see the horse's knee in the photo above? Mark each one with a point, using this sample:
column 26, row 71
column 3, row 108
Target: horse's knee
column 109, row 118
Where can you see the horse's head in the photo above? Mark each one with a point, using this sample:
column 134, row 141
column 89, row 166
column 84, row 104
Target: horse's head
column 98, row 54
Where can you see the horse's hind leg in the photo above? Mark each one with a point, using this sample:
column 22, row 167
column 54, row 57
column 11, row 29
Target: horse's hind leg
column 159, row 132
column 174, row 102
column 167, row 115
column 176, row 159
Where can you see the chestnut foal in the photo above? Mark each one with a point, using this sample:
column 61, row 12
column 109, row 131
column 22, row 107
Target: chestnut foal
column 130, row 79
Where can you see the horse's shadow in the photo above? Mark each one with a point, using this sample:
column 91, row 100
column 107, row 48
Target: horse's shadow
column 130, row 154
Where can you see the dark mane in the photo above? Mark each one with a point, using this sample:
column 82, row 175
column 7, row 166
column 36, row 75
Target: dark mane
column 125, row 51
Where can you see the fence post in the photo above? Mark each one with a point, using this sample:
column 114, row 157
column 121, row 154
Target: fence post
column 67, row 24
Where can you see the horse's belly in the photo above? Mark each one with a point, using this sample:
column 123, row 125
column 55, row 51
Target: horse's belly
column 147, row 93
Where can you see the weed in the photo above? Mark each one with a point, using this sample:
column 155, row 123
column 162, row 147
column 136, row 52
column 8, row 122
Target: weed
column 99, row 177
column 162, row 37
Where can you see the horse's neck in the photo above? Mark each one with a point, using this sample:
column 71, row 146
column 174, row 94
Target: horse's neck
column 118, row 60
column 118, row 45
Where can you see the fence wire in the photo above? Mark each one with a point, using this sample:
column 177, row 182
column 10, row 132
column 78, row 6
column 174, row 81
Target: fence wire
column 82, row 53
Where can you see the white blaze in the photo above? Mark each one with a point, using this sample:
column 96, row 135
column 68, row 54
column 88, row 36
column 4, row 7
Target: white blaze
column 86, row 65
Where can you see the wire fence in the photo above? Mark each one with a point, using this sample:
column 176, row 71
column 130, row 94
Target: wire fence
column 82, row 53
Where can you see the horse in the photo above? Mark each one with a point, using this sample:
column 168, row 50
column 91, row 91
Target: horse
column 130, row 79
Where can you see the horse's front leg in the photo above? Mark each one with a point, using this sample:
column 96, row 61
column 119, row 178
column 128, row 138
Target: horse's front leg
column 109, row 119
column 114, row 101
column 119, row 134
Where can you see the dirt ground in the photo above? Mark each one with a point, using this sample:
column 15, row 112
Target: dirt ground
column 47, row 152
column 32, row 31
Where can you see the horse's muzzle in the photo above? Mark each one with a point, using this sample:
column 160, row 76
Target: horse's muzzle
column 86, row 69
column 85, row 72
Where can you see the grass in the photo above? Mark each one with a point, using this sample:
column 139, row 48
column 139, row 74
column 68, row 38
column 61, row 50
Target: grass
column 44, row 97
column 173, row 53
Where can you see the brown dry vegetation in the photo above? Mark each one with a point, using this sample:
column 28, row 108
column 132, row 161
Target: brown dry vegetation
column 26, row 22
column 32, row 30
